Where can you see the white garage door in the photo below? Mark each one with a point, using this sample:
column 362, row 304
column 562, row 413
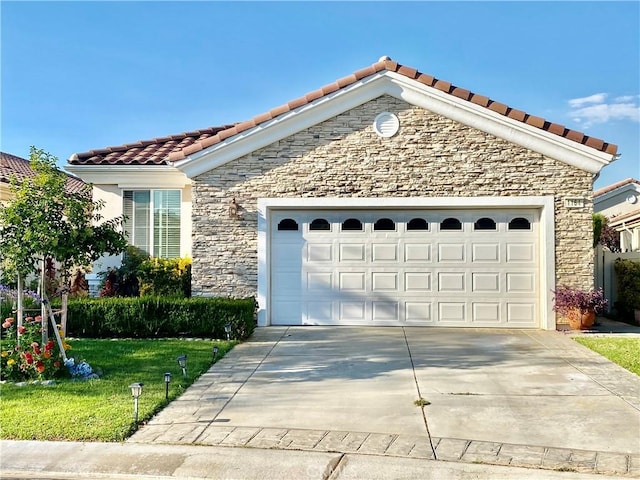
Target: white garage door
column 411, row 267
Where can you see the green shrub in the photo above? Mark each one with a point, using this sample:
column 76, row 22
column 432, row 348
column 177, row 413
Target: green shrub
column 165, row 277
column 628, row 278
column 155, row 317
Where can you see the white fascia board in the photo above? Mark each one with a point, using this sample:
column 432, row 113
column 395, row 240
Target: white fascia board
column 484, row 119
column 414, row 93
column 131, row 176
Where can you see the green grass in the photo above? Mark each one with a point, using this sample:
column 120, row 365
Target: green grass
column 102, row 410
column 623, row 351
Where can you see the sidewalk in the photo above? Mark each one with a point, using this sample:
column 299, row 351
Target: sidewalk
column 117, row 461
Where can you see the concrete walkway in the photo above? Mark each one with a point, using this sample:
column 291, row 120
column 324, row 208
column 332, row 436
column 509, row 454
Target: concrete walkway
column 531, row 399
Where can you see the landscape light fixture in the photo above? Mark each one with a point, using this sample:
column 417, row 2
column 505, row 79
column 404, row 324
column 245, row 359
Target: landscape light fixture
column 182, row 361
column 227, row 329
column 215, row 352
column 167, row 381
column 136, row 391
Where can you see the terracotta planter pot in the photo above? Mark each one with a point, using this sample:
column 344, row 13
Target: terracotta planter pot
column 579, row 320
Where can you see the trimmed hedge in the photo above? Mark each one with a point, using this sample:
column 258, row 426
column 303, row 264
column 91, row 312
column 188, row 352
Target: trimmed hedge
column 155, row 317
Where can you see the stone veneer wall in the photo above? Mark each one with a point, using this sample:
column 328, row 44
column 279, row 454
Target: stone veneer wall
column 343, row 157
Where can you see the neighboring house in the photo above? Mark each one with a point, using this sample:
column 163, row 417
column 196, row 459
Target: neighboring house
column 620, row 203
column 389, row 197
column 12, row 166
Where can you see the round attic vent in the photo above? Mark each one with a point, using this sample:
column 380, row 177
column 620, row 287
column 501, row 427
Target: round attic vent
column 386, row 124
column 631, row 198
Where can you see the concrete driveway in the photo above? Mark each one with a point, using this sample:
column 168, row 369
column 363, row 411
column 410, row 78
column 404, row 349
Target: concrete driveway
column 489, row 392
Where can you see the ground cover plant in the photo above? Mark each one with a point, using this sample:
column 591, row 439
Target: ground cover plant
column 102, row 410
column 623, row 351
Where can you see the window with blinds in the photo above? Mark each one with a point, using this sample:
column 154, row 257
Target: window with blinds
column 153, row 221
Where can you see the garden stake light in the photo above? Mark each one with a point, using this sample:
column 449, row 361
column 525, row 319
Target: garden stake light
column 136, row 391
column 182, row 361
column 215, row 352
column 167, row 380
column 227, row 329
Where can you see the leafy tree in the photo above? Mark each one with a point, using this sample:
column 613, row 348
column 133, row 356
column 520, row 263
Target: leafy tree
column 44, row 221
column 605, row 235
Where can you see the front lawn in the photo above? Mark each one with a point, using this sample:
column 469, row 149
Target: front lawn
column 102, row 410
column 623, row 351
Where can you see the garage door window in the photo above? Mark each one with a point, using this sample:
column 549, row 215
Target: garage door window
column 484, row 224
column 384, row 224
column 417, row 224
column 352, row 225
column 288, row 224
column 519, row 223
column 320, row 224
column 451, row 224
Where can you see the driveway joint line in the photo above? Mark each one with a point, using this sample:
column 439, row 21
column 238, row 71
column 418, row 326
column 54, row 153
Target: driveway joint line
column 415, row 379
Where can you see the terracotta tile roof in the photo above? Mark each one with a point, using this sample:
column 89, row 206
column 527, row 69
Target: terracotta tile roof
column 145, row 152
column 21, row 168
column 614, row 186
column 178, row 147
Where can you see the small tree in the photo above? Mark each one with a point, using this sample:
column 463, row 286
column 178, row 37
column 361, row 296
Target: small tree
column 45, row 221
column 605, row 235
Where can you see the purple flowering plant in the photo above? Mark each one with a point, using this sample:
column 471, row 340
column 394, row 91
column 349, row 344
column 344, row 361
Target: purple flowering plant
column 567, row 298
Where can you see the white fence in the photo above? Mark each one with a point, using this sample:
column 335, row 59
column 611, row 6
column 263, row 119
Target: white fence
column 604, row 274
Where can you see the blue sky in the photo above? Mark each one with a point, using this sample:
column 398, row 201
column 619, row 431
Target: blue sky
column 78, row 76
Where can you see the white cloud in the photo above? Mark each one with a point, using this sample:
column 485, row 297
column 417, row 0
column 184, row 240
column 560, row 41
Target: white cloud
column 595, row 98
column 595, row 109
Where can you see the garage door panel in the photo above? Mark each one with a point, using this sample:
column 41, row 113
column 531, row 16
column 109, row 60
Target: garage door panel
column 319, row 252
column 416, row 252
column 352, row 252
column 451, row 252
column 418, row 312
column 520, row 252
column 451, row 282
column 485, row 282
column 318, row 313
column 353, row 311
column 452, row 312
column 384, row 252
column 521, row 314
column 520, row 282
column 463, row 277
column 385, row 311
column 319, row 282
column 484, row 312
column 417, row 281
column 352, row 281
column 485, row 252
column 384, row 281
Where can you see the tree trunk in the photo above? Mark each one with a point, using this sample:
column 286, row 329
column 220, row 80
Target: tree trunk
column 43, row 307
column 20, row 310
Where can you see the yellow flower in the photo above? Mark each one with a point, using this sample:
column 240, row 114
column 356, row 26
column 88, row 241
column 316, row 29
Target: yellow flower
column 5, row 353
column 11, row 361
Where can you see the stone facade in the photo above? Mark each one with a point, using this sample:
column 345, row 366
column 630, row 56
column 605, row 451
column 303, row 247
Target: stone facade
column 343, row 157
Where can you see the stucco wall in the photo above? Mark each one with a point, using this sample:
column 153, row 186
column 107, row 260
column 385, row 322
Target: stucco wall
column 430, row 156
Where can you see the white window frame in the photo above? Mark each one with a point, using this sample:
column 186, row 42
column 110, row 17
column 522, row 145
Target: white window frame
column 152, row 230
